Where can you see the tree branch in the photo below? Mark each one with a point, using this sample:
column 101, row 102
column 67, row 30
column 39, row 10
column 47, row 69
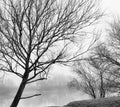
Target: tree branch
column 36, row 80
column 30, row 96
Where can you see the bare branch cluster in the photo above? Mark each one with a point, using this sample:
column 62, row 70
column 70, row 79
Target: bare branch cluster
column 31, row 32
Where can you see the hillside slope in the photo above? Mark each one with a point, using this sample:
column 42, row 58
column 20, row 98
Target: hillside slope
column 104, row 102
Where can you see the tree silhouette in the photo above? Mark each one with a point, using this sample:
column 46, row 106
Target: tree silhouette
column 31, row 32
column 108, row 57
column 92, row 79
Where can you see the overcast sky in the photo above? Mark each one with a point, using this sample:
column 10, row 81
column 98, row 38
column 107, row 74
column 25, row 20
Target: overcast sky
column 54, row 90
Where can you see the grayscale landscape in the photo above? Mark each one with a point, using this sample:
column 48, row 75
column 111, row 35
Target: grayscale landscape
column 59, row 53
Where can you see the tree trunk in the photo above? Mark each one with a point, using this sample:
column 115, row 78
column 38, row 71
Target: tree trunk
column 20, row 90
column 102, row 90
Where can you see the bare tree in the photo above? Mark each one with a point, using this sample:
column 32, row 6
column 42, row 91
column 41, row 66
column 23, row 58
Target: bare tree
column 108, row 58
column 102, row 75
column 31, row 32
column 87, row 83
column 92, row 79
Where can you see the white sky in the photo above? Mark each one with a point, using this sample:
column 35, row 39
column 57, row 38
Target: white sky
column 113, row 6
